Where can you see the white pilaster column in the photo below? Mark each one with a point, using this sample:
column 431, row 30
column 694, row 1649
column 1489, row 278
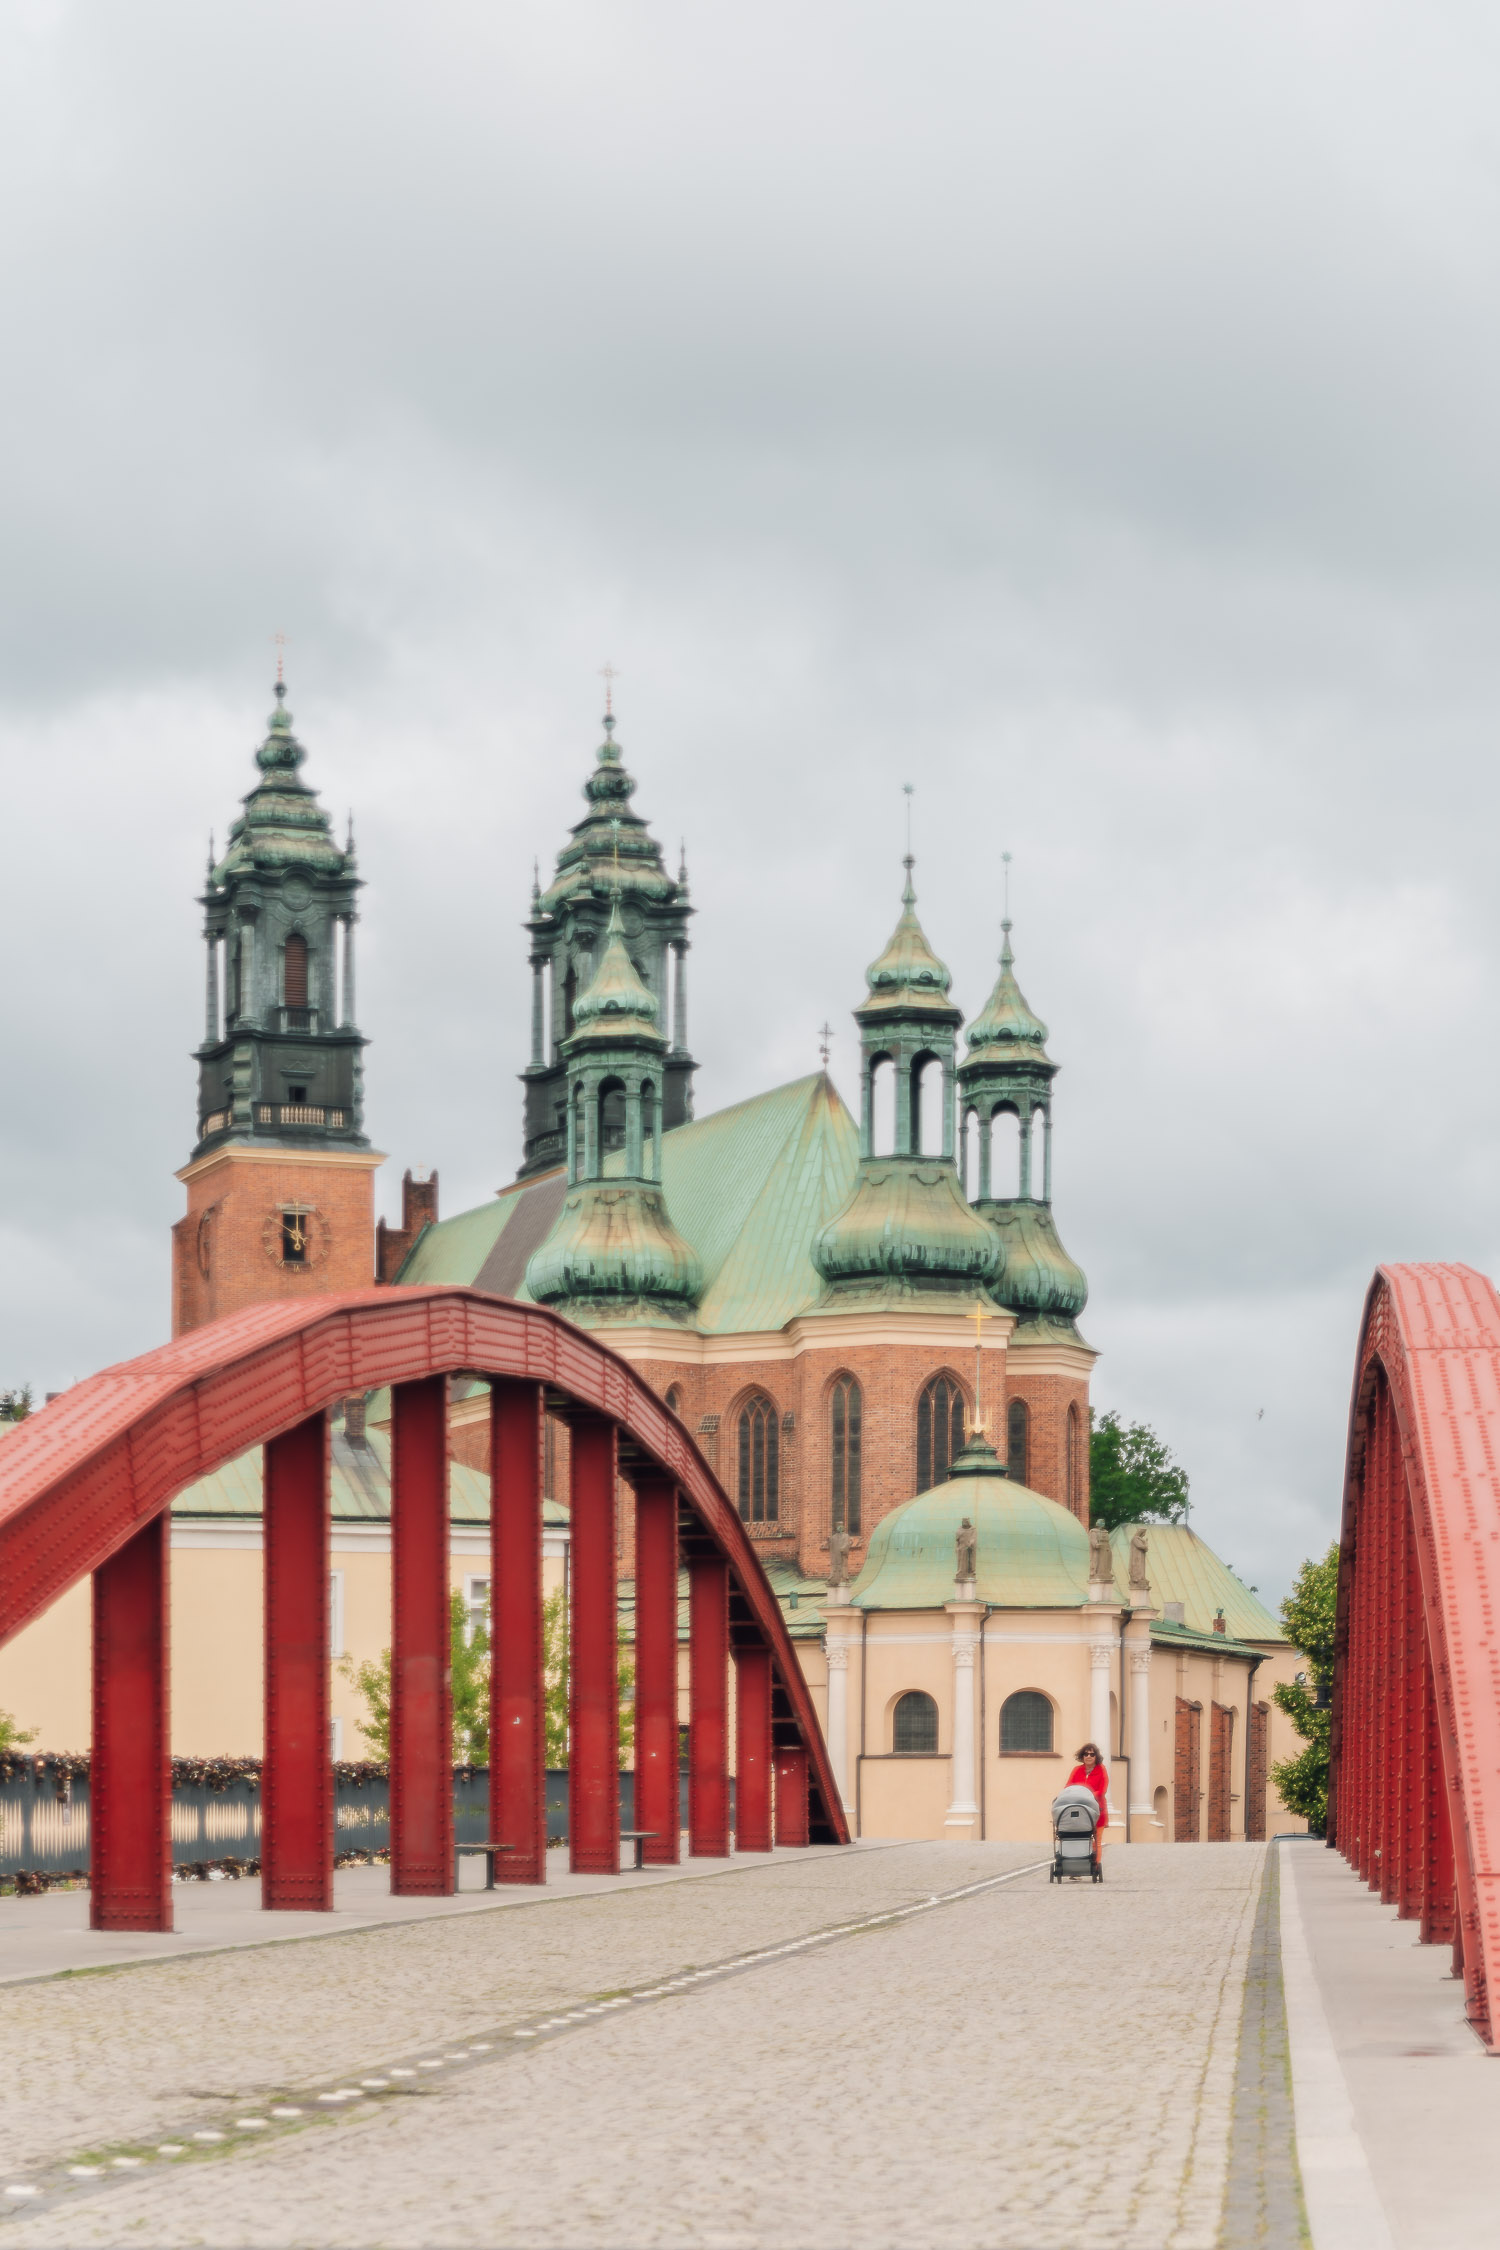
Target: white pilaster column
column 838, row 1715
column 962, row 1820
column 1140, row 1730
column 1100, row 1653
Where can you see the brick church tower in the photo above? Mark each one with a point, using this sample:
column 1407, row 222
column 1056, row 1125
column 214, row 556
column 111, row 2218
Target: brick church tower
column 280, row 1186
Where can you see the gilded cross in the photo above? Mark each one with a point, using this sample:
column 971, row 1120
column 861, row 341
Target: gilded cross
column 608, row 675
column 825, row 1034
column 280, row 640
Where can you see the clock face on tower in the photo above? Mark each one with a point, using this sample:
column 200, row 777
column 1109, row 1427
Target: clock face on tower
column 296, row 1236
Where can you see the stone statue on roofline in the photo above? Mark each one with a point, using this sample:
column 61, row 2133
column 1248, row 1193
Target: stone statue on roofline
column 965, row 1547
column 838, row 1545
column 1139, row 1582
column 1101, row 1556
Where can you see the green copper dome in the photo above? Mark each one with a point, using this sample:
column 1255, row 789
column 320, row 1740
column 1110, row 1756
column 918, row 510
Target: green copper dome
column 1005, row 1019
column 908, row 973
column 282, row 825
column 907, row 1228
column 1029, row 1552
column 611, row 844
column 1040, row 1280
column 616, row 1005
column 615, row 1254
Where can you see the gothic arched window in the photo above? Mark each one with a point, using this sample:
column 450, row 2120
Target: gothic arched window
column 846, row 1408
column 914, row 1725
column 294, row 972
column 674, row 1400
column 940, row 1430
column 1026, row 1722
column 1074, row 1465
column 759, row 1461
column 1017, row 1433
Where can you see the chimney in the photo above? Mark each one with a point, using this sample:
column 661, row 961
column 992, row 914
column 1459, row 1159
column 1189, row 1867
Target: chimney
column 419, row 1210
column 354, row 1419
column 1219, row 1624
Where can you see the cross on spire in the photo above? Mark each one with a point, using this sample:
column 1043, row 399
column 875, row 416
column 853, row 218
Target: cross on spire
column 825, row 1035
column 608, row 675
column 280, row 640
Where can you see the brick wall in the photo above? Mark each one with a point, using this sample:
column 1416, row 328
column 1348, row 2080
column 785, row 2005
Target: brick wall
column 227, row 1251
column 1048, row 1398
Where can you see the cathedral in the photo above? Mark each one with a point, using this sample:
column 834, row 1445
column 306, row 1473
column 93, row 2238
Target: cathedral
column 868, row 1324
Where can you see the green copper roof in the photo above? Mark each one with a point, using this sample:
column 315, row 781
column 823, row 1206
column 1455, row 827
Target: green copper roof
column 614, row 1253
column 1030, row 1553
column 748, row 1188
column 359, row 1487
column 617, row 1005
column 908, row 973
column 1039, row 1279
column 611, row 844
column 282, row 825
column 1005, row 1020
column 1182, row 1568
column 907, row 1229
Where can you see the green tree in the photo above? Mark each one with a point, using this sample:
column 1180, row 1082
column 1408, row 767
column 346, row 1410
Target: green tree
column 16, row 1405
column 1132, row 1476
column 470, row 1660
column 12, row 1736
column 1308, row 1614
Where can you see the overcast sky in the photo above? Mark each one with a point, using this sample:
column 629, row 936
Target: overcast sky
column 1085, row 410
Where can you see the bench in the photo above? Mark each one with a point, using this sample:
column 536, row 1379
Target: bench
column 639, row 1837
column 489, row 1850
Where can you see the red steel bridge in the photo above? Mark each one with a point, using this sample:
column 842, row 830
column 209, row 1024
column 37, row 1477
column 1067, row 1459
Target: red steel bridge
column 86, row 1486
column 1414, row 1799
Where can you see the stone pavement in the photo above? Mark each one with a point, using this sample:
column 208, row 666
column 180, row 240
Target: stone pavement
column 1421, row 2096
column 40, row 1937
column 1017, row 2067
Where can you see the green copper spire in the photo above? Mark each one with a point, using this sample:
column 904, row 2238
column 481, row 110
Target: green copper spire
column 906, row 1229
column 613, row 1253
column 281, row 1058
column 611, row 856
column 1005, row 1020
column 1008, row 1071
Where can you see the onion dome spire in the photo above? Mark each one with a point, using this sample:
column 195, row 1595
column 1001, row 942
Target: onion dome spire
column 906, row 1229
column 613, row 1253
column 1005, row 1019
column 282, row 825
column 907, row 972
column 1008, row 1070
column 617, row 1004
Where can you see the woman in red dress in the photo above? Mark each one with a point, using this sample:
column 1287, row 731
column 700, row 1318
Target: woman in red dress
column 1090, row 1771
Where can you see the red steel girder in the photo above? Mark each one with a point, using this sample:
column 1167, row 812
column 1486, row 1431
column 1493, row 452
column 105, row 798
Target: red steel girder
column 421, row 1644
column 81, row 1477
column 752, row 1749
column 708, row 1707
column 130, row 1780
column 791, row 1796
column 594, row 1662
column 657, row 1765
column 518, row 1714
column 1415, row 1781
column 296, row 1789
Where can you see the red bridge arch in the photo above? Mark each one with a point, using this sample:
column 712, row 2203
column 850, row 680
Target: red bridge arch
column 1414, row 1798
column 86, row 1486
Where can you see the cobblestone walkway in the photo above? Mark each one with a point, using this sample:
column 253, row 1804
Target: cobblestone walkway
column 1021, row 2068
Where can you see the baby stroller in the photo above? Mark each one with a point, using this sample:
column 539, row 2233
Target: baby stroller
column 1075, row 1835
